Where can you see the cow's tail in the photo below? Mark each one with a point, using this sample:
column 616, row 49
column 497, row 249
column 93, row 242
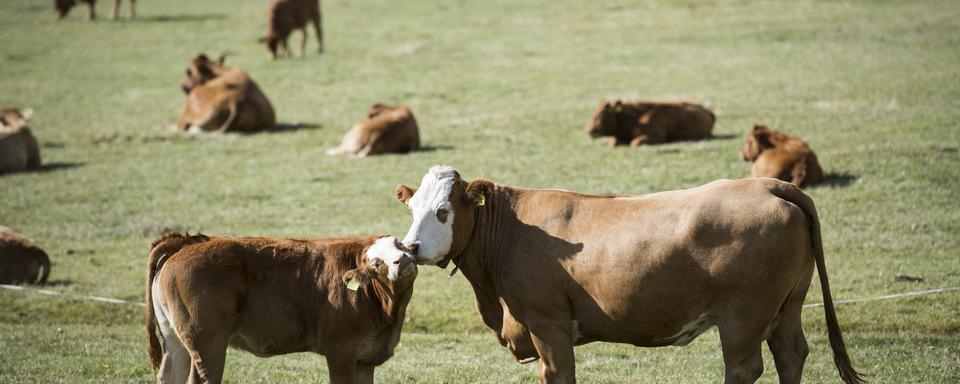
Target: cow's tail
column 159, row 252
column 794, row 195
column 44, row 265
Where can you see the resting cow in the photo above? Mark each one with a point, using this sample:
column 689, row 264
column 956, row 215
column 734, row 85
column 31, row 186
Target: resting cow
column 285, row 16
column 21, row 261
column 552, row 269
column 776, row 154
column 650, row 122
column 388, row 129
column 222, row 99
column 63, row 8
column 18, row 146
column 344, row 298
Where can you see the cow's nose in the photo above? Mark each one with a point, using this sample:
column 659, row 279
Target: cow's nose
column 412, row 248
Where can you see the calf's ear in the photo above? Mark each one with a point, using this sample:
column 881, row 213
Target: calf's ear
column 477, row 192
column 358, row 278
column 404, row 193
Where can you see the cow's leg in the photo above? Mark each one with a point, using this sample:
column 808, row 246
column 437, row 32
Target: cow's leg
column 208, row 351
column 787, row 341
column 318, row 26
column 740, row 339
column 133, row 9
column 116, row 10
column 303, row 41
column 364, row 374
column 342, row 367
column 554, row 344
column 639, row 140
column 91, row 11
column 175, row 366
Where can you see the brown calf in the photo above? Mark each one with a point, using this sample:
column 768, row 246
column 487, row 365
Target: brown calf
column 285, row 16
column 389, row 129
column 63, row 8
column 18, row 146
column 776, row 154
column 344, row 298
column 221, row 98
column 650, row 122
column 21, row 261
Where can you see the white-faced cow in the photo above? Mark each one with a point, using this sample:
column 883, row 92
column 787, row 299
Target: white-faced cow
column 344, row 298
column 552, row 269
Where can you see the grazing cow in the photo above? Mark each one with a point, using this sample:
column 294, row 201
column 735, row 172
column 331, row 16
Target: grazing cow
column 388, row 129
column 18, row 146
column 221, row 98
column 776, row 154
column 344, row 298
column 21, row 261
column 63, row 8
column 285, row 16
column 650, row 122
column 552, row 269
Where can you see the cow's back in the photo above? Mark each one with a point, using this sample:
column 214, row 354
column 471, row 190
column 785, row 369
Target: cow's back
column 689, row 122
column 18, row 150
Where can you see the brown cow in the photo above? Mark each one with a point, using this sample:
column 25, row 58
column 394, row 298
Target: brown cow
column 63, row 8
column 18, row 146
column 776, row 154
column 344, row 298
column 285, row 16
column 221, row 99
column 389, row 129
column 552, row 269
column 21, row 260
column 650, row 122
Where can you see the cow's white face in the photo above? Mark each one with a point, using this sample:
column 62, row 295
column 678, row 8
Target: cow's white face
column 431, row 233
column 384, row 250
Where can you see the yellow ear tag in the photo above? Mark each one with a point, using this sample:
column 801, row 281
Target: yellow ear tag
column 353, row 284
column 481, row 200
column 618, row 108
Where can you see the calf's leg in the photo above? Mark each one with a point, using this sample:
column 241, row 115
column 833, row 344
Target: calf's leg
column 133, row 9
column 208, row 352
column 175, row 366
column 116, row 9
column 303, row 41
column 342, row 367
column 364, row 374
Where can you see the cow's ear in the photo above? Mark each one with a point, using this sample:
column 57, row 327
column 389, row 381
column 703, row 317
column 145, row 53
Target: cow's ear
column 27, row 114
column 478, row 191
column 355, row 279
column 618, row 106
column 404, row 193
column 760, row 128
column 222, row 58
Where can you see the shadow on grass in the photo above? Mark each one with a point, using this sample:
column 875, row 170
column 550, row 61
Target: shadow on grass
column 180, row 18
column 838, row 180
column 48, row 167
column 284, row 127
column 434, row 148
column 57, row 283
column 723, row 136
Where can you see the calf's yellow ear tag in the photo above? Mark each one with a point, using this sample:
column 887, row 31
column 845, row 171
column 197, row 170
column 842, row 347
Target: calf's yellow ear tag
column 481, row 200
column 353, row 284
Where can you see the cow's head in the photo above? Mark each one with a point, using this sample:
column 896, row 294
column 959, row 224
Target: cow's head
column 758, row 140
column 272, row 40
column 386, row 258
column 200, row 70
column 604, row 118
column 377, row 109
column 443, row 209
column 13, row 118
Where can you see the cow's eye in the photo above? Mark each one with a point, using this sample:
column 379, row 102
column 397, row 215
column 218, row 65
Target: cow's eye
column 442, row 215
column 188, row 72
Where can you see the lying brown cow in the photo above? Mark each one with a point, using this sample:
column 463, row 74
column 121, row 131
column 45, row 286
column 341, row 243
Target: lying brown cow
column 776, row 154
column 552, row 269
column 18, row 146
column 63, row 8
column 344, row 298
column 285, row 16
column 222, row 99
column 389, row 129
column 650, row 122
column 21, row 261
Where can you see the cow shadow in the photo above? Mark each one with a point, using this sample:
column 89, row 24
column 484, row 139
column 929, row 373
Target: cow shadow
column 293, row 127
column 180, row 18
column 434, row 148
column 837, row 180
column 48, row 167
column 722, row 136
column 58, row 283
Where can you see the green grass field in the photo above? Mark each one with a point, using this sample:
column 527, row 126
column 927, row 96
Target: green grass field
column 501, row 89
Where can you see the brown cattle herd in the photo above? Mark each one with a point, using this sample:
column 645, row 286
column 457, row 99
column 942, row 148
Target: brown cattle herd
column 546, row 272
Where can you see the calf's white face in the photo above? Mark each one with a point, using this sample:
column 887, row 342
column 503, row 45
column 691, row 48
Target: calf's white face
column 431, row 233
column 385, row 250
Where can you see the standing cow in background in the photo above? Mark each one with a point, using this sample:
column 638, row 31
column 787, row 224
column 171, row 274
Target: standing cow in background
column 63, row 8
column 552, row 269
column 285, row 16
column 388, row 129
column 222, row 99
column 21, row 260
column 650, row 122
column 18, row 146
column 776, row 154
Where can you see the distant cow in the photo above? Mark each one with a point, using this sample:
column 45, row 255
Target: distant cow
column 650, row 122
column 63, row 8
column 344, row 298
column 21, row 260
column 285, row 16
column 222, row 99
column 18, row 146
column 776, row 154
column 388, row 129
column 552, row 269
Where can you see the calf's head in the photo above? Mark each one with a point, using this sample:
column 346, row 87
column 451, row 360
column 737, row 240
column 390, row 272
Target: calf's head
column 385, row 258
column 63, row 7
column 758, row 140
column 604, row 118
column 444, row 208
column 14, row 118
column 200, row 70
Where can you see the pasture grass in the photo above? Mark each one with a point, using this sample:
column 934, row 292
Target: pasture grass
column 501, row 89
